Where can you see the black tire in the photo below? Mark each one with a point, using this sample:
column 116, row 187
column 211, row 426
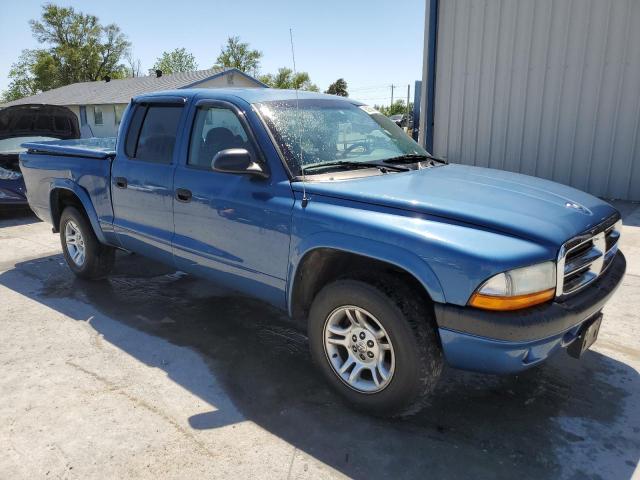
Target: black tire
column 98, row 260
column 411, row 329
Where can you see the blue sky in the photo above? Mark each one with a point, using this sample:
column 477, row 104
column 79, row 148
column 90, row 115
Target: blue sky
column 371, row 44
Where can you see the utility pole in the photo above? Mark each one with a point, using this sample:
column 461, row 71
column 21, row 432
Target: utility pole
column 392, row 85
column 408, row 94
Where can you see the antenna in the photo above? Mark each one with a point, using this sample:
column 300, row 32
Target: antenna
column 305, row 200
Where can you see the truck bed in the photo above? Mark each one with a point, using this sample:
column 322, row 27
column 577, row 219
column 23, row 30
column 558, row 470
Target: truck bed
column 80, row 166
column 83, row 147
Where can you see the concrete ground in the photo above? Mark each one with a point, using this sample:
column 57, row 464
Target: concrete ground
column 154, row 374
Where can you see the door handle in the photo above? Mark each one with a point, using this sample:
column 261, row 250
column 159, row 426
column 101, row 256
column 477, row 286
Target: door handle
column 121, row 182
column 183, row 195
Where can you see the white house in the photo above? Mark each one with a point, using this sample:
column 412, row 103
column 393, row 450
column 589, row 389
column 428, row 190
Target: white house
column 99, row 105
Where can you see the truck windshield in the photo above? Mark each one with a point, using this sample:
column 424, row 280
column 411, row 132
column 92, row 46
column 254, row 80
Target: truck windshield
column 318, row 131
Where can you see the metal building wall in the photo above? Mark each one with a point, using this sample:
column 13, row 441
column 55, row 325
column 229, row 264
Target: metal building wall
column 543, row 87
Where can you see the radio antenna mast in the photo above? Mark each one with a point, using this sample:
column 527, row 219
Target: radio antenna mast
column 305, row 200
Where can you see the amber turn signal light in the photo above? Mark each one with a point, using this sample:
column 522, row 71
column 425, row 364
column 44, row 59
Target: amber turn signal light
column 494, row 302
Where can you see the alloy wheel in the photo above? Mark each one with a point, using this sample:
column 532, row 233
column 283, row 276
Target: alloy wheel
column 359, row 349
column 75, row 243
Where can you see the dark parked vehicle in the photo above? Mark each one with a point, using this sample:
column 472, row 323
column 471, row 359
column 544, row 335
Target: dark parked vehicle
column 28, row 123
column 406, row 121
column 397, row 119
column 402, row 120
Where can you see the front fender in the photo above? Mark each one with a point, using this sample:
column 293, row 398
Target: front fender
column 449, row 258
column 85, row 200
column 385, row 252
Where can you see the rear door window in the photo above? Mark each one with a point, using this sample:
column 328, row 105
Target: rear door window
column 153, row 132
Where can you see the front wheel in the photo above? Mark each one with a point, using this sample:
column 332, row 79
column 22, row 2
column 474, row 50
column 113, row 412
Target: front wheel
column 85, row 255
column 376, row 344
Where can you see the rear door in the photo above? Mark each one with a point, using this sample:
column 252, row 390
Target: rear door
column 142, row 178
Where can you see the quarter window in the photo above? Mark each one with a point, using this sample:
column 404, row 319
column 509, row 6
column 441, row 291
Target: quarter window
column 215, row 129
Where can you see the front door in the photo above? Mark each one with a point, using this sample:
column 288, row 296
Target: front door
column 232, row 228
column 142, row 181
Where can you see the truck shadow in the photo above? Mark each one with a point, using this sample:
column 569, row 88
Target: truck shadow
column 567, row 418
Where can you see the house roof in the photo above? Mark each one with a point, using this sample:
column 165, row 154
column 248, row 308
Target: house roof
column 121, row 91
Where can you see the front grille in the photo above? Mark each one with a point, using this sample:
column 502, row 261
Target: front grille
column 582, row 259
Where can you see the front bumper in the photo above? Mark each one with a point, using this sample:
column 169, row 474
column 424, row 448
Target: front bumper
column 507, row 342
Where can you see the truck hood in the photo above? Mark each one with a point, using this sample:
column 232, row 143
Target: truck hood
column 520, row 205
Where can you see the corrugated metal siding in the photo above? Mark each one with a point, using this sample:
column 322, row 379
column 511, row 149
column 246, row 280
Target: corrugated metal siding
column 543, row 87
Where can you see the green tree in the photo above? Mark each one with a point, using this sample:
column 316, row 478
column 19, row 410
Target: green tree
column 285, row 78
column 237, row 54
column 398, row 107
column 339, row 87
column 133, row 67
column 175, row 61
column 23, row 83
column 76, row 48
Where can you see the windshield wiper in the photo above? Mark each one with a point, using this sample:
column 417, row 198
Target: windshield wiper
column 412, row 158
column 351, row 164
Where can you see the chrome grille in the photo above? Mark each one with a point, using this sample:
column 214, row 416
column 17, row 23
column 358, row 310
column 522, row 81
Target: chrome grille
column 582, row 259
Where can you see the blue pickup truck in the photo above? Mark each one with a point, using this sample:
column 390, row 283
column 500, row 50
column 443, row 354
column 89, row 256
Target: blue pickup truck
column 394, row 261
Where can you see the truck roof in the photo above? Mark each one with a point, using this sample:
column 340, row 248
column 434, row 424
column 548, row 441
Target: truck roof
column 250, row 95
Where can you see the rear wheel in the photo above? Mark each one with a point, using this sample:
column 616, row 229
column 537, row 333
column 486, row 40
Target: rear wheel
column 85, row 255
column 376, row 344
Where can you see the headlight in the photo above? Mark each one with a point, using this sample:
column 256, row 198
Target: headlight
column 519, row 288
column 9, row 174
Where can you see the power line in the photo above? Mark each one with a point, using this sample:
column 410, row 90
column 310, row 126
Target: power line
column 375, row 87
column 379, row 87
column 379, row 96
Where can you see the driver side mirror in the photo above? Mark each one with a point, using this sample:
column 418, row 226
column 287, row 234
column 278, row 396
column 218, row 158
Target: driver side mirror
column 237, row 160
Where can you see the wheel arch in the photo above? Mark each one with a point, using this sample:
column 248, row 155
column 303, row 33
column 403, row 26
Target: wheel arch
column 65, row 193
column 321, row 264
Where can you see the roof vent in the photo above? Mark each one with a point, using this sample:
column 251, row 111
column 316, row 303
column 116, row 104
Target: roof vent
column 158, row 73
column 107, row 78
